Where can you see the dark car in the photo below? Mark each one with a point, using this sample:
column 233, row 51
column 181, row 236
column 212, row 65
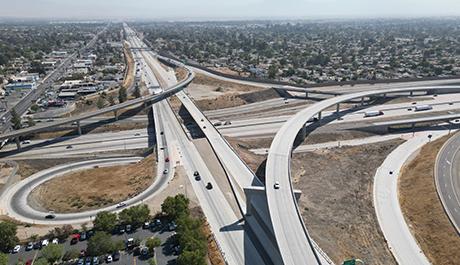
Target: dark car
column 83, row 236
column 37, row 245
column 196, row 173
column 50, row 216
column 209, row 186
column 198, row 178
column 116, row 255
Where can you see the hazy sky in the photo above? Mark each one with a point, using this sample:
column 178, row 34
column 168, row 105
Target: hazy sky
column 226, row 9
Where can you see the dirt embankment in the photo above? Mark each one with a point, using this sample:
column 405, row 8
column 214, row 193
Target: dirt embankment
column 26, row 168
column 95, row 188
column 423, row 210
column 236, row 99
column 337, row 200
column 255, row 162
column 129, row 71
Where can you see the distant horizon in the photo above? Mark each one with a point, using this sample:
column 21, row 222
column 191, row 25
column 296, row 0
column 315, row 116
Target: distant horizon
column 219, row 10
column 229, row 19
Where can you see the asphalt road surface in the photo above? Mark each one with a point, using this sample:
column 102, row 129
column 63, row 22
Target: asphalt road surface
column 447, row 176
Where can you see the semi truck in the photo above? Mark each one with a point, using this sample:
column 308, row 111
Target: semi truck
column 373, row 113
column 423, row 107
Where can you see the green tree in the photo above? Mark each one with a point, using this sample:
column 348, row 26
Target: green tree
column 122, row 96
column 100, row 102
column 105, row 221
column 175, row 206
column 152, row 243
column 34, row 107
column 61, row 233
column 137, row 92
column 272, row 71
column 71, row 254
column 3, row 259
column 41, row 261
column 190, row 258
column 52, row 252
column 135, row 215
column 15, row 120
column 111, row 100
column 99, row 244
column 30, row 121
column 152, row 261
column 8, row 238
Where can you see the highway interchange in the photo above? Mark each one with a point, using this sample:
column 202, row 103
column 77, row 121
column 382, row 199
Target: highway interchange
column 284, row 235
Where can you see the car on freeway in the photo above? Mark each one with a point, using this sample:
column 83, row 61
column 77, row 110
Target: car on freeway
column 165, row 171
column 137, row 134
column 209, row 186
column 30, row 246
column 26, row 142
column 167, row 159
column 16, row 249
column 161, row 133
column 69, row 146
column 121, row 204
column 277, row 185
column 51, row 215
column 197, row 177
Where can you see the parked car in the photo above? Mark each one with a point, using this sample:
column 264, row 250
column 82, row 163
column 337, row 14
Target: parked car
column 83, row 236
column 146, row 225
column 29, row 246
column 128, row 228
column 45, row 242
column 172, row 226
column 81, row 262
column 29, row 262
column 55, row 241
column 95, row 261
column 75, row 238
column 88, row 261
column 116, row 255
column 16, row 249
column 109, row 259
column 37, row 245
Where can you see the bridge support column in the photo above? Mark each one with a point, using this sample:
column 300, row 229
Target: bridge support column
column 306, row 95
column 337, row 108
column 303, row 132
column 78, row 128
column 362, row 101
column 319, row 115
column 18, row 143
column 115, row 113
column 411, row 93
column 384, row 95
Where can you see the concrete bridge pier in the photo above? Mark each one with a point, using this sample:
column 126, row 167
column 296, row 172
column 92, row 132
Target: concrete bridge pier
column 337, row 108
column 18, row 143
column 306, row 95
column 319, row 115
column 79, row 128
column 115, row 113
column 362, row 101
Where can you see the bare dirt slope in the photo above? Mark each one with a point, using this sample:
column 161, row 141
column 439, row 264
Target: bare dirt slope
column 95, row 188
column 423, row 209
column 337, row 187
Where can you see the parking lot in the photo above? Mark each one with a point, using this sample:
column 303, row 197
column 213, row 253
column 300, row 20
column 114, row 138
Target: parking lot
column 164, row 253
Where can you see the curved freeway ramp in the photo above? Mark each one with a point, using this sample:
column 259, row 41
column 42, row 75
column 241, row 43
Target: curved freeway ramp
column 447, row 179
column 290, row 232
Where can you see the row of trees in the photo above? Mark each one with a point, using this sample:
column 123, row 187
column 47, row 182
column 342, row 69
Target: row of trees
column 135, row 216
column 190, row 236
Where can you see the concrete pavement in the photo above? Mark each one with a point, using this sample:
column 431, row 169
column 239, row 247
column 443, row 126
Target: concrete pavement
column 447, row 179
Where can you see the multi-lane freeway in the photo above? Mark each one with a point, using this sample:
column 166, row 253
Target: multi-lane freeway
column 447, row 177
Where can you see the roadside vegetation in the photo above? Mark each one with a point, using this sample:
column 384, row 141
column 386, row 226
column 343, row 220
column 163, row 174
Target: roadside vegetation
column 423, row 210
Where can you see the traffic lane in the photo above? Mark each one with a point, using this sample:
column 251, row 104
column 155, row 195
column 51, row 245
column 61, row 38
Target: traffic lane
column 163, row 252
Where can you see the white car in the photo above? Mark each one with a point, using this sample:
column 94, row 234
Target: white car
column 277, row 185
column 45, row 242
column 121, row 205
column 16, row 249
column 26, row 142
column 55, row 241
column 109, row 258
